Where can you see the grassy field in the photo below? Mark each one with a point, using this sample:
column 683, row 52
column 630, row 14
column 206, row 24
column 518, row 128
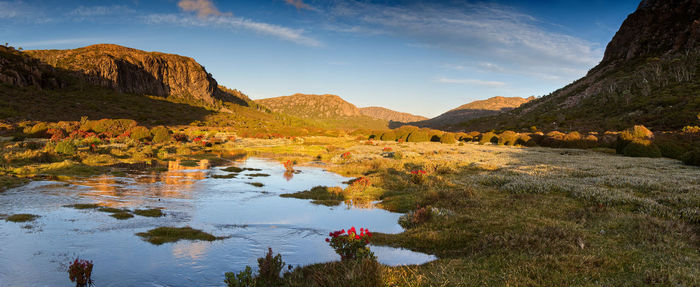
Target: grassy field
column 493, row 215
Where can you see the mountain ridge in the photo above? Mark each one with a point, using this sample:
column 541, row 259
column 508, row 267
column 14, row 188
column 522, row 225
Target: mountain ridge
column 390, row 115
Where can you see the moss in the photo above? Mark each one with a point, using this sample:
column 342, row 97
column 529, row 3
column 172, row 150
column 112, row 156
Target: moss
column 162, row 235
column 230, row 175
column 256, row 184
column 83, row 206
column 153, row 212
column 122, row 215
column 22, row 217
column 111, row 210
column 258, row 174
column 233, row 169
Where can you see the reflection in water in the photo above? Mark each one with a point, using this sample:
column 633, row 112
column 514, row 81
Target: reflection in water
column 252, row 219
column 288, row 175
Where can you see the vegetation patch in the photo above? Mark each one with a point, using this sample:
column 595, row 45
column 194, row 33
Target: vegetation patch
column 162, row 235
column 230, row 175
column 234, row 169
column 324, row 195
column 153, row 212
column 122, row 215
column 22, row 217
column 256, row 184
column 83, row 206
column 258, row 175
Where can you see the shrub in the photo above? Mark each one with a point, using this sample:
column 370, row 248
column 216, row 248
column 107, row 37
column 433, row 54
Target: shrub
column 636, row 133
column 418, row 176
column 508, row 138
column 139, row 133
column 161, row 134
column 641, row 148
column 351, row 245
column 39, row 130
column 113, row 127
column 65, row 147
column 487, row 137
column 269, row 269
column 448, row 138
column 692, row 157
column 418, row 136
column 388, row 136
column 691, row 130
column 80, row 272
column 671, row 148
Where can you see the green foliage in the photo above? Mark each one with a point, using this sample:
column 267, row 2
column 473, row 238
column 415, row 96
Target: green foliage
column 161, row 135
column 65, row 147
column 22, row 217
column 419, row 136
column 692, row 157
column 38, row 130
column 641, row 148
column 162, row 235
column 508, row 138
column 139, row 133
column 269, row 270
column 448, row 138
column 113, row 127
column 244, row 278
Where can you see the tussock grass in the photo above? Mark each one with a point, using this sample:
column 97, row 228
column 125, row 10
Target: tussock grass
column 152, row 212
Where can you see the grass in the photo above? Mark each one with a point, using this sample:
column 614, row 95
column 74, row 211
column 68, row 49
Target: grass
column 83, row 206
column 329, row 196
column 233, row 169
column 162, row 235
column 153, row 212
column 22, row 217
column 7, row 182
column 256, row 184
column 258, row 175
column 230, row 175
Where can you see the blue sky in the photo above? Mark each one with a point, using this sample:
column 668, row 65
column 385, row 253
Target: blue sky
column 422, row 57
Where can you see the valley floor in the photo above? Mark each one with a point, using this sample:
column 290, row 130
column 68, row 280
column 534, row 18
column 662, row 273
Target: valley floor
column 493, row 215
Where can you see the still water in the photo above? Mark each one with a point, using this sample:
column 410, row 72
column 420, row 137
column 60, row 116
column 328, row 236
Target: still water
column 252, row 218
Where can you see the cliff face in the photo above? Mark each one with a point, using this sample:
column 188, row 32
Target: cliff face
column 650, row 75
column 655, row 28
column 16, row 69
column 139, row 72
column 390, row 115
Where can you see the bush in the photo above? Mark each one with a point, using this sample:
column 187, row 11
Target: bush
column 636, row 133
column 113, row 127
column 388, row 136
column 161, row 134
column 65, row 147
column 351, row 245
column 487, row 137
column 671, row 148
column 692, row 157
column 508, row 138
column 418, row 136
column 641, row 148
column 448, row 138
column 139, row 133
column 39, row 130
column 269, row 269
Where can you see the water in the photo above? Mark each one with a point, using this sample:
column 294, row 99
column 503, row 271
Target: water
column 253, row 219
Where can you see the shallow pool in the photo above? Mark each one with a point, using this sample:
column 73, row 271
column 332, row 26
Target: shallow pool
column 252, row 218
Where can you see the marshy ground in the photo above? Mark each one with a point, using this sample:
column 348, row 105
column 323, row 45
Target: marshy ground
column 493, row 215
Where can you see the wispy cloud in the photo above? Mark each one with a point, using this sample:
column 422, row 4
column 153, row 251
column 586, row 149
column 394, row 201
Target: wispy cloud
column 470, row 82
column 231, row 22
column 20, row 11
column 489, row 32
column 94, row 11
column 203, row 8
column 299, row 4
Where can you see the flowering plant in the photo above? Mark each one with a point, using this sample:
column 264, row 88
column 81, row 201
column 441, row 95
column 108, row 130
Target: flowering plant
column 80, row 272
column 351, row 245
column 289, row 165
column 346, row 155
column 418, row 176
column 387, row 149
column 361, row 183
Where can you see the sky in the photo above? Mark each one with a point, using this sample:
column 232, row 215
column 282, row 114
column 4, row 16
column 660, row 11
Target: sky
column 421, row 57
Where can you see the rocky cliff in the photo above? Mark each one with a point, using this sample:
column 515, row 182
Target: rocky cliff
column 650, row 75
column 16, row 69
column 311, row 106
column 134, row 71
column 390, row 115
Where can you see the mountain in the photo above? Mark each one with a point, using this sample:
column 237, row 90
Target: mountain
column 109, row 81
column 650, row 75
column 133, row 71
column 390, row 115
column 473, row 110
column 325, row 110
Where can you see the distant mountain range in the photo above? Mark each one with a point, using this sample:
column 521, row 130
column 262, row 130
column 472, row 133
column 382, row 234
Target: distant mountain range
column 473, row 110
column 390, row 115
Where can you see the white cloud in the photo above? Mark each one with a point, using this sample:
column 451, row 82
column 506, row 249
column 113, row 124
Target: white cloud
column 299, row 4
column 224, row 21
column 20, row 11
column 471, row 82
column 94, row 11
column 485, row 32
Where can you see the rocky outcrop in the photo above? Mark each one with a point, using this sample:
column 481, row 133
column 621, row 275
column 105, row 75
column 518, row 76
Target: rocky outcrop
column 134, row 71
column 390, row 115
column 657, row 27
column 16, row 69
